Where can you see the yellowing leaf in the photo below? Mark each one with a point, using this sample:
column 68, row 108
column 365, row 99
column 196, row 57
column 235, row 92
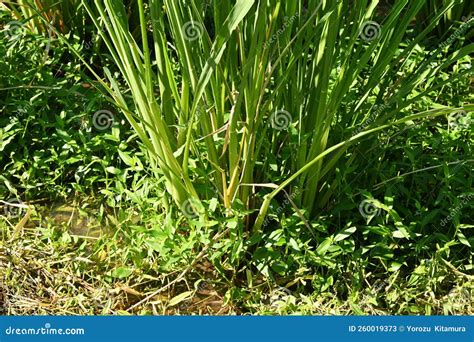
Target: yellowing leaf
column 181, row 297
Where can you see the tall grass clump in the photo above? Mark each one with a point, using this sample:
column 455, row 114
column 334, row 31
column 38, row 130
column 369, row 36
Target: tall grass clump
column 249, row 100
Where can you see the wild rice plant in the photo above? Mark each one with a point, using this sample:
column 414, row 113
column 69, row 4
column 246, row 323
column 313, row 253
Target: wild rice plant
column 234, row 98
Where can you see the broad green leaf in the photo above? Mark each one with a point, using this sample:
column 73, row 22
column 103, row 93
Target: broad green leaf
column 122, row 272
column 345, row 234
